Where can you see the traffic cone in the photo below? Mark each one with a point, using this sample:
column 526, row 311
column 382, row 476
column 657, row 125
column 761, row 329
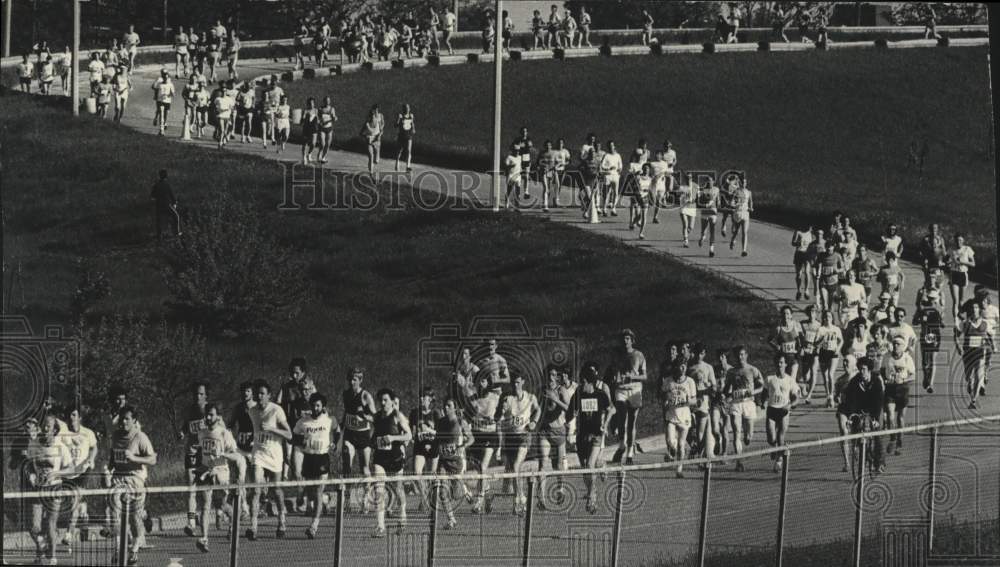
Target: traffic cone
column 594, row 219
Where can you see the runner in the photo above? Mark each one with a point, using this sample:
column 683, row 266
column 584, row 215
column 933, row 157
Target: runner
column 931, row 321
column 283, row 122
column 782, row 395
column 973, row 341
column 130, row 45
column 659, row 169
column 464, row 384
column 82, row 444
column 163, row 92
column 743, row 383
column 857, row 337
column 359, row 413
column 611, row 169
column 933, row 252
column 809, row 361
column 831, row 267
column 742, row 207
column 668, row 162
column 269, row 103
column 391, row 431
column 678, row 394
column 194, row 422
column 181, row 41
column 482, row 412
column 450, row 27
column 270, row 431
column 512, row 169
column 214, row 49
column 850, row 297
column 720, row 405
column 801, row 239
column 224, row 105
column 591, row 407
column 246, row 102
column 563, row 160
column 552, row 430
column 537, row 26
column 453, row 437
column 847, row 240
column 241, row 425
column 708, row 389
column 865, row 269
column 932, row 287
column 524, row 145
column 898, row 327
column 641, row 199
column 49, row 461
column 508, row 31
column 495, row 364
column 423, row 420
column 863, row 395
column 95, row 69
column 628, row 374
column 788, row 338
column 315, row 437
column 519, row 414
column 893, row 241
column 371, row 132
column 883, row 310
column 891, row 277
column 689, row 206
column 547, row 161
column 960, row 259
column 130, row 455
column 103, row 96
column 327, row 117
column 218, row 449
column 829, row 341
column 898, row 372
column 406, row 128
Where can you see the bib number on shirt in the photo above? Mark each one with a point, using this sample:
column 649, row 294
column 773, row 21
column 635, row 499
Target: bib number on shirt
column 119, row 456
column 356, row 423
column 382, row 443
column 244, row 438
column 788, row 348
column 314, row 445
column 975, row 341
column 588, row 405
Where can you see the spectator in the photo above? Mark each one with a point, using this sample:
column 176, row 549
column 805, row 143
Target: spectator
column 585, row 22
column 166, row 206
column 647, row 27
column 24, row 73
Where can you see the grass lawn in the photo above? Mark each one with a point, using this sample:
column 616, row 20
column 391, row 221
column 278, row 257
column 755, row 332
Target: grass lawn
column 79, row 190
column 815, row 131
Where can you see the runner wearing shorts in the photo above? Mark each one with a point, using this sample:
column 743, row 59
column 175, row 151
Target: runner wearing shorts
column 372, row 132
column 787, row 339
column 271, row 99
column 314, row 438
column 782, row 395
column 629, row 374
column 669, row 162
column 270, row 431
column 327, row 118
column 960, row 259
column 246, row 104
column 482, row 412
column 163, row 93
column 898, row 373
column 283, row 123
column 808, row 359
column 689, row 206
column 390, row 434
column 552, row 430
column 232, row 55
column 103, row 96
column 933, row 252
column 224, row 106
column 453, row 437
column 727, row 193
column 519, row 415
column 181, row 40
column 742, row 207
column 679, row 394
column 611, row 169
column 131, row 453
column 641, row 199
column 857, row 337
column 973, row 341
column 850, row 297
column 865, row 269
column 592, row 409
column 562, row 162
column 591, row 169
column 218, row 449
column 801, row 239
column 743, row 384
column 214, row 53
column 82, row 444
column 48, row 461
column 708, row 389
column 720, row 405
column 829, row 342
column 359, row 412
column 194, row 422
column 891, row 277
column 406, row 128
column 523, row 145
column 423, row 420
column 241, row 426
column 928, row 316
column 659, row 169
column 709, row 202
column 547, row 160
column 830, row 268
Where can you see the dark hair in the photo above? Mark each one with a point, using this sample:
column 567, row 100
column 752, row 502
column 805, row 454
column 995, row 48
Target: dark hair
column 384, row 391
column 163, row 174
column 246, row 385
column 258, row 383
column 116, row 390
column 209, row 407
column 428, row 391
column 317, row 397
column 866, row 362
column 699, row 347
column 297, row 361
column 128, row 409
column 199, row 384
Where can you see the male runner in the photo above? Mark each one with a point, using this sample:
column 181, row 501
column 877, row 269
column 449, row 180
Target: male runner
column 423, row 420
column 865, row 268
column 194, row 422
column 809, row 361
column 241, row 426
column 390, row 433
column 628, row 374
column 928, row 317
column 592, row 409
column 742, row 207
column 82, row 444
column 898, row 372
column 218, row 449
column 611, row 169
column 960, row 259
column 552, row 428
column 163, row 94
column 678, row 394
column 359, row 412
column 519, row 413
column 453, row 437
column 743, row 384
column 782, row 395
column 270, row 430
column 801, row 239
column 131, row 453
column 49, row 461
column 973, row 341
column 314, row 438
column 891, row 277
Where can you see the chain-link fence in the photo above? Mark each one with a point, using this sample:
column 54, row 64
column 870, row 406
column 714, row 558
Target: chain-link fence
column 816, row 503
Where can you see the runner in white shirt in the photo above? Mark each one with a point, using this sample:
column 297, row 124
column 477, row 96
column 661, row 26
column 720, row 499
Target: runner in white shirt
column 163, row 94
column 270, row 431
column 450, row 27
column 95, row 68
column 898, row 327
column 743, row 206
column 314, row 439
column 667, row 161
column 49, row 461
column 709, row 203
column 850, row 296
column 224, row 106
column 641, row 199
column 130, row 45
column 960, row 259
column 829, row 340
column 708, row 387
column 611, row 169
column 782, row 395
column 519, row 415
column 898, row 371
column 679, row 394
column 121, row 86
column 82, row 444
column 564, row 156
column 218, row 449
column 689, row 206
column 282, row 123
column 893, row 242
column 512, row 167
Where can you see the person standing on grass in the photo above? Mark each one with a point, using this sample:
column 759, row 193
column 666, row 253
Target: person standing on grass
column 372, row 133
column 65, row 67
column 130, row 45
column 647, row 27
column 165, row 205
column 121, row 85
column 742, row 207
column 959, row 259
column 423, row 421
column 688, row 197
column 163, row 94
column 327, row 118
column 706, row 388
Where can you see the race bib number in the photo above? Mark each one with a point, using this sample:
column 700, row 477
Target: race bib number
column 518, row 421
column 119, row 456
column 931, row 338
column 356, row 423
column 484, row 424
column 314, row 445
column 263, row 438
column 588, row 405
column 244, row 438
column 449, row 450
column 426, row 436
column 975, row 341
column 741, row 394
column 788, row 348
column 194, row 426
column 382, row 443
column 210, row 447
column 75, row 453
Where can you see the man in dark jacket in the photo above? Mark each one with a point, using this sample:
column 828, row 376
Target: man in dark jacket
column 166, row 206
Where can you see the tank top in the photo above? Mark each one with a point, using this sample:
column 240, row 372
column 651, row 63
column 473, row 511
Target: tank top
column 553, row 416
column 828, row 268
column 213, row 445
column 809, row 332
column 517, row 411
column 326, row 117
column 387, row 425
column 354, row 419
column 449, row 437
column 484, row 407
column 310, row 118
column 266, row 416
column 48, row 459
column 802, row 240
column 119, row 444
column 243, row 426
column 931, row 325
column 788, row 338
column 974, row 335
column 194, row 422
column 406, row 122
column 423, row 425
column 708, row 200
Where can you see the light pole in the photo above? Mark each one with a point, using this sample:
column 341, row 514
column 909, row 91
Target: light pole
column 6, row 27
column 497, row 104
column 74, row 75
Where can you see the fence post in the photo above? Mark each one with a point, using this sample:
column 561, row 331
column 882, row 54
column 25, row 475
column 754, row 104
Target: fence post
column 234, row 539
column 859, row 502
column 123, row 532
column 618, row 519
column 432, row 540
column 703, row 529
column 781, row 510
column 527, row 520
column 932, row 482
column 337, row 541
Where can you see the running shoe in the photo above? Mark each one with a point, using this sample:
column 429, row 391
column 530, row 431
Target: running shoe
column 202, row 545
column 251, row 535
column 378, row 533
column 310, row 533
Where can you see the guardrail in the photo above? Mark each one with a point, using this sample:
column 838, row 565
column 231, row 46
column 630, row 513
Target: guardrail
column 624, row 496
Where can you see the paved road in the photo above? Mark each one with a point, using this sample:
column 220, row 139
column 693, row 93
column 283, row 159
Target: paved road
column 663, row 519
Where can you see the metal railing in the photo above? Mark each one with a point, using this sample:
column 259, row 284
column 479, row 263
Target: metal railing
column 634, row 507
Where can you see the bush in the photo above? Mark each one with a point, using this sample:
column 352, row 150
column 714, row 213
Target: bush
column 943, row 42
column 229, row 277
column 764, row 46
column 656, row 48
column 708, row 47
column 882, row 43
column 515, row 55
column 93, row 286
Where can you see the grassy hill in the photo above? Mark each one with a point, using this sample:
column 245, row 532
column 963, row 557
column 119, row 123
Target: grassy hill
column 814, row 131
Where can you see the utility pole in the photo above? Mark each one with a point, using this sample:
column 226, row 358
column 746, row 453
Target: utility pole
column 6, row 27
column 74, row 75
column 497, row 106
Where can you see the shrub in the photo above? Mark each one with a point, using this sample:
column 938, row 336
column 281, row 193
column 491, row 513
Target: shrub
column 93, row 286
column 764, row 45
column 881, row 43
column 708, row 47
column 231, row 278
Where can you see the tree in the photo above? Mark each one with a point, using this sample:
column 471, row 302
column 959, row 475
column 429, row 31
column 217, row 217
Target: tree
column 228, row 276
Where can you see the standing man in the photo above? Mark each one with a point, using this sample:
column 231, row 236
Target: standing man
column 166, row 206
column 131, row 453
column 450, row 26
column 585, row 22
